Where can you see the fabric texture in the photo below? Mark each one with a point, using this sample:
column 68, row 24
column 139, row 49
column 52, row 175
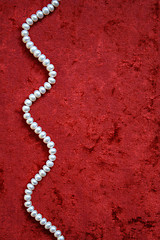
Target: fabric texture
column 103, row 115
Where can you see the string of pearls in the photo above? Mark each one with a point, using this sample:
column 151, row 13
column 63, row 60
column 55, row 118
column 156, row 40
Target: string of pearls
column 34, row 125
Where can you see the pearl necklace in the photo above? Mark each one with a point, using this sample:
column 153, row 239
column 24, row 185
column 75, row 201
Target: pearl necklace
column 30, row 121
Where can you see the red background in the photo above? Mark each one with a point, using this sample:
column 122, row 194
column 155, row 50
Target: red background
column 103, row 114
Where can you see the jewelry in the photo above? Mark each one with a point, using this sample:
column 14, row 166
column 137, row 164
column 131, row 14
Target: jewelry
column 34, row 125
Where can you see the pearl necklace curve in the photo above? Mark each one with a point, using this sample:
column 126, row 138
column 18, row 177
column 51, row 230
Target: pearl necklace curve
column 34, row 125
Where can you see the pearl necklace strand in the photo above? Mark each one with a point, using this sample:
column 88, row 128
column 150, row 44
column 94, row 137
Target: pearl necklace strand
column 30, row 121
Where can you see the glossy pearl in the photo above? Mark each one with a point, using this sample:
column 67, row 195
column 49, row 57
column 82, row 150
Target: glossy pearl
column 49, row 164
column 47, row 85
column 43, row 221
column 29, row 21
column 52, row 157
column 24, row 33
column 53, row 74
column 45, row 10
column 38, row 177
column 52, row 151
column 42, row 135
column 32, row 97
column 34, row 181
column 46, row 62
column 33, row 49
column 38, row 130
column 27, row 197
column 26, row 115
column 29, row 44
column 42, row 173
column 39, row 14
column 47, row 139
column 28, row 204
column 28, row 192
column 50, row 67
column 26, row 108
column 50, row 7
column 37, row 94
column 55, row 3
column 50, row 145
column 34, row 213
column 37, row 53
column 61, row 238
column 46, row 169
column 30, row 186
column 25, row 26
column 38, row 217
column 30, row 209
column 28, row 102
column 57, row 233
column 26, row 39
column 52, row 229
column 29, row 121
column 48, row 225
column 42, row 90
column 51, row 80
column 42, row 57
column 34, row 125
column 34, row 17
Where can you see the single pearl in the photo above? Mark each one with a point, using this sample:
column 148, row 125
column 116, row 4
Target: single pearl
column 27, row 197
column 53, row 74
column 34, row 181
column 24, row 33
column 48, row 225
column 34, row 17
column 42, row 90
column 49, row 163
column 55, row 3
column 52, row 157
column 57, row 233
column 39, row 14
column 29, row 121
column 50, row 7
column 51, row 80
column 42, row 58
column 38, row 217
column 25, row 26
column 45, row 10
column 46, row 62
column 38, row 130
column 52, row 229
column 47, row 139
column 47, row 85
column 34, row 213
column 25, row 108
column 43, row 221
column 38, row 177
column 32, row 97
column 61, row 238
column 46, row 169
column 52, row 151
column 30, row 186
column 34, row 125
column 28, row 204
column 42, row 173
column 28, row 192
column 29, row 44
column 26, row 39
column 26, row 115
column 33, row 49
column 50, row 67
column 50, row 145
column 37, row 53
column 37, row 94
column 42, row 135
column 30, row 209
column 28, row 102
column 29, row 21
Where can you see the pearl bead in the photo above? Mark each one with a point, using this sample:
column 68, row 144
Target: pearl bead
column 34, row 125
column 45, row 10
column 30, row 209
column 34, row 213
column 52, row 151
column 34, row 182
column 25, row 26
column 29, row 21
column 61, row 238
column 42, row 173
column 47, row 139
column 38, row 130
column 38, row 217
column 46, row 62
column 27, row 197
column 53, row 74
column 50, row 7
column 42, row 90
column 26, row 115
column 52, row 229
column 43, row 221
column 39, row 14
column 52, row 157
column 37, row 94
column 55, row 3
column 47, row 85
column 50, row 145
column 28, row 102
column 57, row 233
column 32, row 97
column 29, row 121
column 38, row 177
column 50, row 67
column 28, row 192
column 42, row 135
column 42, row 58
column 28, row 204
column 49, row 164
column 46, row 169
column 24, row 33
column 29, row 44
column 51, row 80
column 34, row 17
column 25, row 108
column 30, row 186
column 32, row 49
column 48, row 225
column 37, row 53
column 26, row 39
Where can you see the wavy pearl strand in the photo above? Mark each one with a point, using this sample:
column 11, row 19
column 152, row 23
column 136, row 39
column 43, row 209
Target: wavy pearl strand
column 34, row 125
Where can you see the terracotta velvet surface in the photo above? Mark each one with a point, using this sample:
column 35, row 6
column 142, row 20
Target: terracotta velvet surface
column 103, row 115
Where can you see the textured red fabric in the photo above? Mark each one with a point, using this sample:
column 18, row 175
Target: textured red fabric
column 103, row 114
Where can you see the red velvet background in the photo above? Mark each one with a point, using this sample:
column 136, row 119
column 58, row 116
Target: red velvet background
column 103, row 114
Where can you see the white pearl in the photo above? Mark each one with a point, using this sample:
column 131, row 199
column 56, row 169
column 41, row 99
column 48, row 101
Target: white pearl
column 47, row 85
column 25, row 26
column 34, row 182
column 52, row 157
column 34, row 213
column 50, row 145
column 30, row 186
column 38, row 177
column 42, row 135
column 55, row 3
column 25, row 108
column 52, row 229
column 37, row 53
column 34, row 17
column 46, row 62
column 33, row 49
column 32, row 97
column 52, row 151
column 38, row 217
column 27, row 197
column 29, row 121
column 24, row 33
column 50, row 67
column 42, row 58
column 39, row 14
column 45, row 10
column 61, row 238
column 37, row 94
column 42, row 173
column 38, row 130
column 50, row 7
column 26, row 39
column 29, row 44
column 26, row 115
column 29, row 21
column 28, row 204
column 57, row 233
column 28, row 192
column 42, row 90
column 46, row 169
column 34, row 125
column 51, row 80
column 28, row 102
column 53, row 74
column 49, row 163
column 43, row 221
column 47, row 139
column 48, row 225
column 30, row 209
